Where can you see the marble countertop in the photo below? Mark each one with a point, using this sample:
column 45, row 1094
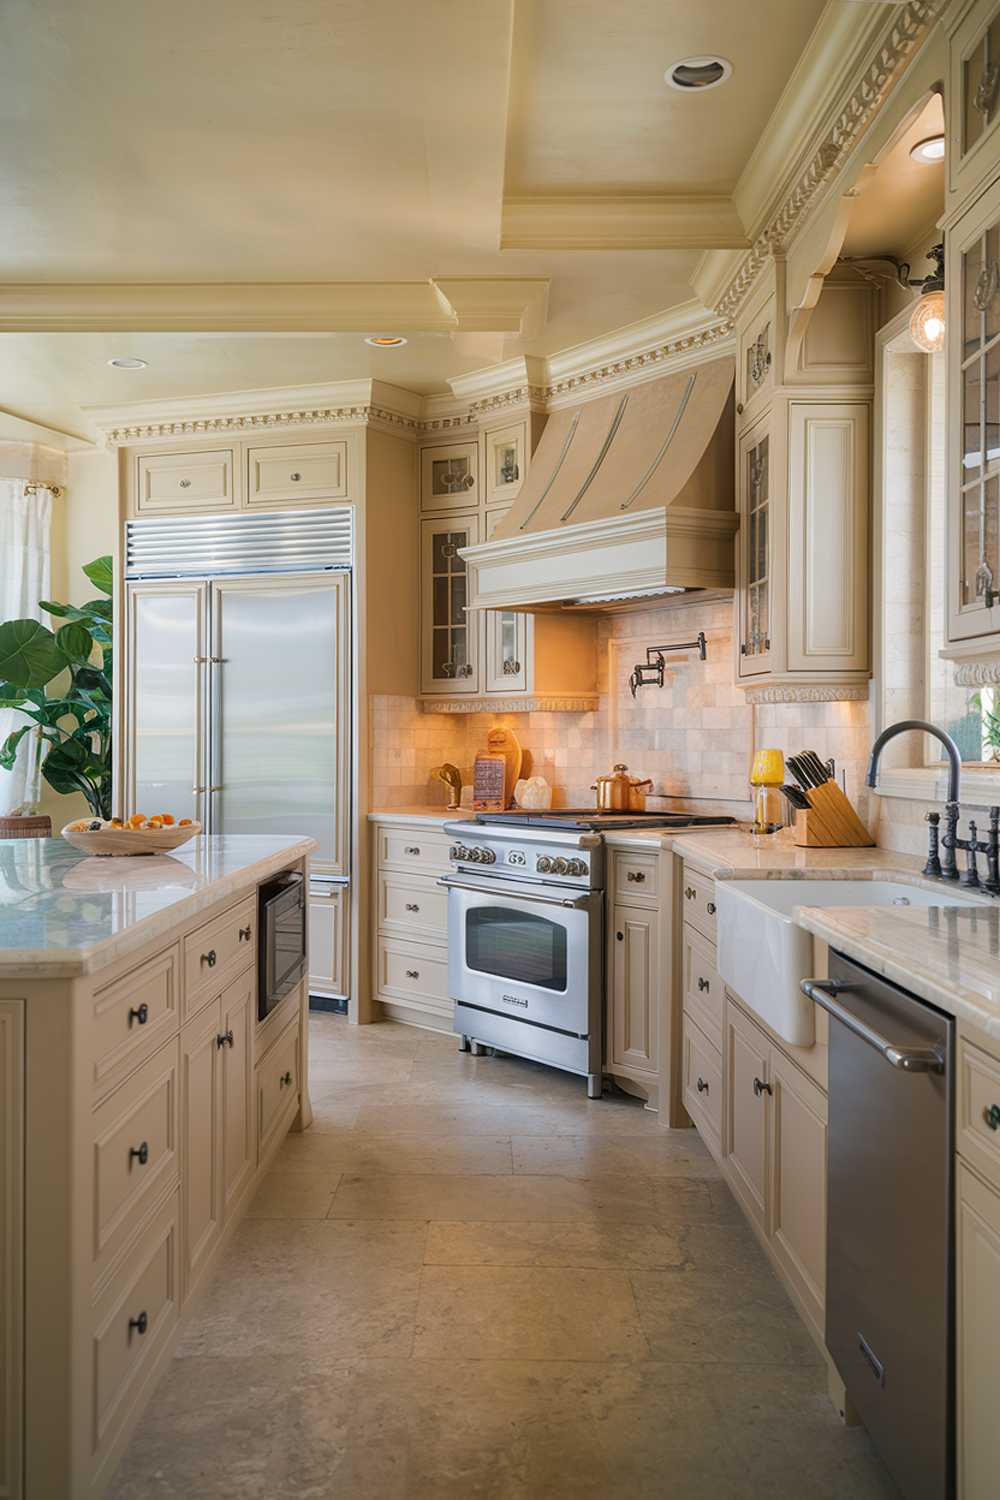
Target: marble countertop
column 63, row 912
column 418, row 814
column 734, row 854
column 949, row 955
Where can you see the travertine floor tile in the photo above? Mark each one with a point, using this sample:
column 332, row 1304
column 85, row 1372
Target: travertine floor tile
column 577, row 1116
column 704, row 1317
column 584, row 1245
column 526, row 1312
column 670, row 1153
column 495, row 1197
column 295, row 1195
column 352, row 1151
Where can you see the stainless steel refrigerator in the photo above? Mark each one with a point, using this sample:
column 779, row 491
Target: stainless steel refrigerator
column 237, row 688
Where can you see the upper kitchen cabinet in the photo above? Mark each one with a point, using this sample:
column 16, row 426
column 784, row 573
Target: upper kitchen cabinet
column 449, row 477
column 974, row 95
column 450, row 649
column 973, row 291
column 504, row 462
column 803, row 493
column 284, row 473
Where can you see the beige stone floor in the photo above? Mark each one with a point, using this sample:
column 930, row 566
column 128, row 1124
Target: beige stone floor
column 467, row 1280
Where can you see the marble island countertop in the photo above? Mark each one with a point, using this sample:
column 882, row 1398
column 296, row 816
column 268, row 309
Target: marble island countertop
column 63, row 912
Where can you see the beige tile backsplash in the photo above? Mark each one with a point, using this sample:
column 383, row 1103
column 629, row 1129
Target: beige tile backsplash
column 695, row 736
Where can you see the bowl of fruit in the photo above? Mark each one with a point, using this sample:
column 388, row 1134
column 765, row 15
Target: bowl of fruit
column 135, row 835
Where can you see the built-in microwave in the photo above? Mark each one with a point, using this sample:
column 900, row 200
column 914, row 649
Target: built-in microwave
column 282, row 961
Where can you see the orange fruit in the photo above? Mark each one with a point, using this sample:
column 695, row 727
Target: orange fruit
column 185, row 823
column 137, row 820
column 167, row 819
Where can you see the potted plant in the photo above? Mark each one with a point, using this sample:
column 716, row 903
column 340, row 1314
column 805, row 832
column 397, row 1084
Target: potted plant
column 61, row 681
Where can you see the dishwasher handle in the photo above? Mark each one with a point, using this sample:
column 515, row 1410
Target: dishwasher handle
column 907, row 1059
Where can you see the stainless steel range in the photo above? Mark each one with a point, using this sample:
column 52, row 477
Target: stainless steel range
column 526, row 931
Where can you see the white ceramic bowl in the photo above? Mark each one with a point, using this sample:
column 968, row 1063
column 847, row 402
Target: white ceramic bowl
column 120, row 841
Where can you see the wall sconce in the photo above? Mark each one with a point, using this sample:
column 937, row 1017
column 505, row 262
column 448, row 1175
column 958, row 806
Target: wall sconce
column 650, row 672
column 927, row 321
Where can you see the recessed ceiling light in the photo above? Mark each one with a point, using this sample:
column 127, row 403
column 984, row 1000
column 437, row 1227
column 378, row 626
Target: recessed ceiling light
column 122, row 362
column 385, row 341
column 929, row 151
column 693, row 73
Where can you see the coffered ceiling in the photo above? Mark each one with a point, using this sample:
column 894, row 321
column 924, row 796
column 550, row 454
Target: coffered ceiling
column 201, row 181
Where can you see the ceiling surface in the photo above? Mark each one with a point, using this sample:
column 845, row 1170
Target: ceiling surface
column 491, row 179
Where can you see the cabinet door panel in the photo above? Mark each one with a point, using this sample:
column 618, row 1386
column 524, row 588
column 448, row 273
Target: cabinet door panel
column 239, row 1146
column 449, row 477
column 756, row 584
column 978, row 1334
column 798, row 1182
column 328, row 941
column 449, row 638
column 746, row 1114
column 635, row 988
column 165, row 692
column 201, row 1121
column 204, row 479
column 828, row 531
column 974, row 88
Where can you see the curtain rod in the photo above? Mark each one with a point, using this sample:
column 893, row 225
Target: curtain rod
column 34, row 485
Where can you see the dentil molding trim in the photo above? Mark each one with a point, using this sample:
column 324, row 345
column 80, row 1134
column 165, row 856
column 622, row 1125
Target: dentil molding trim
column 533, row 703
column 978, row 674
column 787, row 692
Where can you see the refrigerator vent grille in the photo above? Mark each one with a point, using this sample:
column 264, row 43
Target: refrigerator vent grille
column 276, row 542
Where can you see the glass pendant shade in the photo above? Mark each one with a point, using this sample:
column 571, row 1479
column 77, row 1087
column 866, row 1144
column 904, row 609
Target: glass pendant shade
column 927, row 322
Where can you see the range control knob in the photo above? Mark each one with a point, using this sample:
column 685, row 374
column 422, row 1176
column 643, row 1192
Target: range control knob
column 488, row 856
column 577, row 867
column 474, row 854
column 543, row 864
column 559, row 866
column 456, row 852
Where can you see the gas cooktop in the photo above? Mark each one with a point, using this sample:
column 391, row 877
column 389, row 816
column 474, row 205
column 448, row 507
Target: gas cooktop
column 598, row 822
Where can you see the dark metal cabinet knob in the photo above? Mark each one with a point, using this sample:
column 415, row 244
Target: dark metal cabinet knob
column 701, row 1086
column 689, row 893
column 285, row 1081
column 246, row 933
column 225, row 1039
column 620, row 936
column 139, row 1014
column 704, row 986
column 295, row 477
column 413, row 973
column 412, row 906
column 140, row 1154
column 761, row 1088
column 710, row 908
column 140, row 1324
column 991, row 1114
column 210, row 958
column 637, row 875
column 413, row 849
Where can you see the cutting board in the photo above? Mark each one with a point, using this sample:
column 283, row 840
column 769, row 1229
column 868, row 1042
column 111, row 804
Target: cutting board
column 506, row 743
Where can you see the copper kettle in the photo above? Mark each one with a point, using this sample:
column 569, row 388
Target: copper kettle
column 620, row 792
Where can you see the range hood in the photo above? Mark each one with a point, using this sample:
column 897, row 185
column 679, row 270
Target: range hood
column 628, row 496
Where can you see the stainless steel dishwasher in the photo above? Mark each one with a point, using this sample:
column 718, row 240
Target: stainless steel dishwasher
column 890, row 1278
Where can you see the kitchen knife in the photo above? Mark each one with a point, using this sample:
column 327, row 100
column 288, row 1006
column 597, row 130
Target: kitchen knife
column 821, row 771
column 795, row 797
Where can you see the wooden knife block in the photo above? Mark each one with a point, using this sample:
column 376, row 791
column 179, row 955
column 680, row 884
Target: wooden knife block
column 831, row 822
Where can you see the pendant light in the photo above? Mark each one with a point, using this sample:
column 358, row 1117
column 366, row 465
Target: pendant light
column 927, row 321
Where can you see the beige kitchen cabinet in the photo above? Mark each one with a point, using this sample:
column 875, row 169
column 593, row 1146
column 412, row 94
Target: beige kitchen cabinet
column 746, row 1054
column 296, row 473
column 635, row 972
column 450, row 654
column 973, row 406
column 201, row 1140
column 239, row 1146
column 504, row 462
column 974, row 94
column 702, row 1087
column 449, row 477
column 177, row 482
column 797, row 1186
column 409, row 962
column 756, row 547
column 329, row 939
column 977, row 1257
column 11, row 1245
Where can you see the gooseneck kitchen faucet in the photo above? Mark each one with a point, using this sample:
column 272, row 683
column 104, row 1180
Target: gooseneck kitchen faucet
column 948, row 868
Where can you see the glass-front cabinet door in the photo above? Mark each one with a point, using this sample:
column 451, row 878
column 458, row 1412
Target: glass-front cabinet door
column 508, row 636
column 167, row 674
column 756, row 600
column 974, row 545
column 974, row 76
column 449, row 635
column 449, row 477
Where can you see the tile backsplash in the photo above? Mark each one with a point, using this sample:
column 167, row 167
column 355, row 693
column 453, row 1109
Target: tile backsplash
column 695, row 736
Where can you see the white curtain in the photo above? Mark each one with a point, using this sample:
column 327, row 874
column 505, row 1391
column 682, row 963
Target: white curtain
column 25, row 531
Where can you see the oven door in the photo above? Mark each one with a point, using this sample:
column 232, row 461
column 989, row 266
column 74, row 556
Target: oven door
column 525, row 954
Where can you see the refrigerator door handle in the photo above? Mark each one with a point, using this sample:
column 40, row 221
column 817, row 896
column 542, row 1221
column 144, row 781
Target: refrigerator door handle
column 907, row 1059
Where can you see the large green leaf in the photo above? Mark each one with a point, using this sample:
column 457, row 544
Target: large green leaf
column 8, row 750
column 101, row 574
column 75, row 642
column 29, row 654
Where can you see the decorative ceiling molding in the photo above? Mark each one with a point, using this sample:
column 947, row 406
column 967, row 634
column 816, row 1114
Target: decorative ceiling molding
column 595, row 221
column 910, row 23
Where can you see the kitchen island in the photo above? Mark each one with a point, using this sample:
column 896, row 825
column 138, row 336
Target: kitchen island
column 140, row 1099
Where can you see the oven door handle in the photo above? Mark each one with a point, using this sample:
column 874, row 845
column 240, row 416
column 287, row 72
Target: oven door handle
column 479, row 890
column 907, row 1059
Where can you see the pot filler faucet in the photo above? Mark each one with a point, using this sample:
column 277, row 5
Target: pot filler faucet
column 950, row 842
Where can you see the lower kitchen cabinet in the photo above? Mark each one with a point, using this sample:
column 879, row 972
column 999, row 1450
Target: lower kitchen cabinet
column 409, row 963
column 746, row 1052
column 977, row 1258
column 239, row 1144
column 329, row 939
column 634, row 969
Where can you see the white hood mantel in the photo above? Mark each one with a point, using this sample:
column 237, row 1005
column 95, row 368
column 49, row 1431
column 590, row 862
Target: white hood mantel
column 627, row 495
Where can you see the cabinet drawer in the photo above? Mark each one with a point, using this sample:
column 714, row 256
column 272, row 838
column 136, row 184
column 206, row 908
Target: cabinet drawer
column 277, row 1088
column 636, row 878
column 413, row 973
column 217, row 952
column 703, row 994
column 698, row 896
column 135, row 1149
column 979, row 1109
column 133, row 1017
column 133, row 1320
column 298, row 471
column 702, row 1082
column 185, row 481
column 412, row 904
column 417, row 849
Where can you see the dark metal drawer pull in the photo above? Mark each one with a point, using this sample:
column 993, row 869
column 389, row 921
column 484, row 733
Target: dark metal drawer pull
column 285, row 1081
column 139, row 1013
column 908, row 1059
column 140, row 1324
column 413, row 973
column 701, row 1086
column 761, row 1088
column 991, row 1114
column 140, row 1153
column 690, row 893
column 637, row 875
column 246, row 933
column 210, row 958
column 412, row 906
column 411, row 849
column 225, row 1039
column 704, row 985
